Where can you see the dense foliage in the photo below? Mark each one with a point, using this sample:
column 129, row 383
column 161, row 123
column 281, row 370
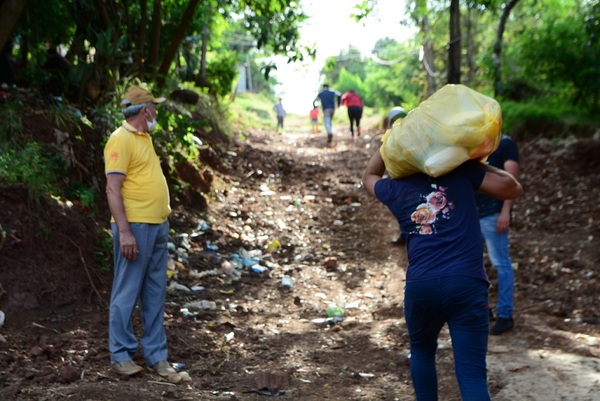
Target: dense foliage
column 551, row 55
column 540, row 58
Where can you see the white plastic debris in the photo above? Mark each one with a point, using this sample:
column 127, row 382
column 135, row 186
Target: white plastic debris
column 175, row 286
column 229, row 270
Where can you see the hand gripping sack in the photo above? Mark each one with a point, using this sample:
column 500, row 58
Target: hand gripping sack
column 454, row 125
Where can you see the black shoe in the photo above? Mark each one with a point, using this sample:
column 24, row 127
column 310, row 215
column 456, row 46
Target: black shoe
column 502, row 325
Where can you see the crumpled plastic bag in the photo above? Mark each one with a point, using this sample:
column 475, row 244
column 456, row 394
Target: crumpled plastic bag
column 454, row 125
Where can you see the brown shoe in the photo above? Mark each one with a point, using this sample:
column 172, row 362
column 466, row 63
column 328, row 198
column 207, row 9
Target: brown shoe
column 126, row 368
column 164, row 369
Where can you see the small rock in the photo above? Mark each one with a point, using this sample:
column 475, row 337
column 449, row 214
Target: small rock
column 69, row 374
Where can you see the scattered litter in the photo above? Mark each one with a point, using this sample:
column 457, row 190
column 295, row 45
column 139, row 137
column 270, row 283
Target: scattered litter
column 211, row 247
column 267, row 392
column 327, row 320
column 334, row 310
column 202, row 227
column 258, row 269
column 287, row 282
column 273, row 245
column 203, row 304
column 174, row 286
column 178, row 365
column 353, row 305
column 229, row 270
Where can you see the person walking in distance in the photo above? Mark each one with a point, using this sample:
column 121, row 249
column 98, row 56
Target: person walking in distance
column 446, row 282
column 355, row 105
column 495, row 218
column 330, row 100
column 314, row 119
column 280, row 115
column 138, row 198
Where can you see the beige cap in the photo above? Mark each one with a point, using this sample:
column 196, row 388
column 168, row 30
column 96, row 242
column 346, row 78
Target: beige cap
column 137, row 95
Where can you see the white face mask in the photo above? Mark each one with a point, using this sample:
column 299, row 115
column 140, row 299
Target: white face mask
column 151, row 124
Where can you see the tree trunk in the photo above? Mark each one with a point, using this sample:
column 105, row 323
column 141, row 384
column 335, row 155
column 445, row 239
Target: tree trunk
column 154, row 49
column 104, row 14
column 141, row 38
column 454, row 47
column 427, row 57
column 171, row 51
column 508, row 6
column 202, row 76
column 10, row 11
column 471, row 50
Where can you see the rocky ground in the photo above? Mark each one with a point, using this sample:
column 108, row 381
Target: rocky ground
column 295, row 207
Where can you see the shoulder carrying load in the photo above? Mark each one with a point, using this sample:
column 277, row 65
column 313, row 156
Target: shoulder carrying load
column 454, row 125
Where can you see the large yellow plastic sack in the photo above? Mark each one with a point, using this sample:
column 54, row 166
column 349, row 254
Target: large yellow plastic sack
column 454, row 125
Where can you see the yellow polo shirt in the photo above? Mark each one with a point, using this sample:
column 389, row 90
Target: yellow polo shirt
column 145, row 191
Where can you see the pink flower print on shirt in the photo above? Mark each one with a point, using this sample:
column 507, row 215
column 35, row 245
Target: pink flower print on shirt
column 426, row 229
column 427, row 213
column 437, row 200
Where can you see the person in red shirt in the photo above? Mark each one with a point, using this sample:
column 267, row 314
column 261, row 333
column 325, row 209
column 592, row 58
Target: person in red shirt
column 314, row 119
column 355, row 106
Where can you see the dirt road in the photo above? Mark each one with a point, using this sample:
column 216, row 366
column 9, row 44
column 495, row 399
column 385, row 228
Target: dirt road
column 296, row 205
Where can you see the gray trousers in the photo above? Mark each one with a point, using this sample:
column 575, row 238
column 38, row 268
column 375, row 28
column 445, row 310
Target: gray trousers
column 142, row 281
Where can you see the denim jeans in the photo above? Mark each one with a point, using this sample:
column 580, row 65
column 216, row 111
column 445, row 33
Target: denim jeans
column 328, row 117
column 497, row 249
column 462, row 302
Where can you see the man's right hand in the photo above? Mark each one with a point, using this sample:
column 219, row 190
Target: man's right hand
column 129, row 248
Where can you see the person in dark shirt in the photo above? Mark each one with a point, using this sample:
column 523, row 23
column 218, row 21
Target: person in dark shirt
column 330, row 100
column 446, row 280
column 494, row 217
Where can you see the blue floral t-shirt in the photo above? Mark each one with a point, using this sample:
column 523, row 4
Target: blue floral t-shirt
column 439, row 218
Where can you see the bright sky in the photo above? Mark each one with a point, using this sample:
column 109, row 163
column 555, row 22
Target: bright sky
column 332, row 29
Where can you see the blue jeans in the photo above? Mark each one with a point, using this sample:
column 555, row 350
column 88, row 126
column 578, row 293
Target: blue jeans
column 462, row 302
column 328, row 117
column 142, row 281
column 497, row 249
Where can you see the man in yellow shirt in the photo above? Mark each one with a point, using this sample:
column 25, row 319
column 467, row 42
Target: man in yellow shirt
column 138, row 197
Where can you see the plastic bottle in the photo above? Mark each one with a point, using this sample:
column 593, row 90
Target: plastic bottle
column 334, row 310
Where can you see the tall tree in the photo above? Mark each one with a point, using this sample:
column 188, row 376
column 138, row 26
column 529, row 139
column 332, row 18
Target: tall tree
column 176, row 40
column 420, row 16
column 10, row 12
column 155, row 42
column 454, row 45
column 508, row 6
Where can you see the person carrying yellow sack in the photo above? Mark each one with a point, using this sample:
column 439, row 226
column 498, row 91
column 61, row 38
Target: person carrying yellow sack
column 454, row 125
